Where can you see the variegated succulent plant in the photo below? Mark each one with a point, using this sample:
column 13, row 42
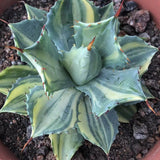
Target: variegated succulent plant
column 79, row 75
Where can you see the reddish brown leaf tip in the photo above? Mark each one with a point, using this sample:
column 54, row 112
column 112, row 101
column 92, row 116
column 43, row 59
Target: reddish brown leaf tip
column 15, row 48
column 149, row 106
column 26, row 144
column 119, row 10
column 91, row 44
column 4, row 21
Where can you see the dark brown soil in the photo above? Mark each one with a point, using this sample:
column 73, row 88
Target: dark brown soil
column 134, row 139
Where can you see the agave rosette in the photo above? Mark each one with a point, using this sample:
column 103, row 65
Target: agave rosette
column 78, row 72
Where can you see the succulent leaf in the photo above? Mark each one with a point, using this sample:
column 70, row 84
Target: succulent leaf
column 139, row 52
column 112, row 88
column 106, row 11
column 125, row 113
column 26, row 34
column 106, row 41
column 64, row 14
column 99, row 131
column 54, row 114
column 86, row 71
column 11, row 74
column 79, row 63
column 52, row 73
column 35, row 13
column 65, row 144
column 16, row 98
column 84, row 32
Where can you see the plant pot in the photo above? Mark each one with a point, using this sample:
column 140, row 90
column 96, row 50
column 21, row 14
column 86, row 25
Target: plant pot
column 5, row 153
column 154, row 153
column 5, row 4
column 153, row 7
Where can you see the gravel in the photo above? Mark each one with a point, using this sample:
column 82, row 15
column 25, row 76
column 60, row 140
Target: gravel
column 134, row 139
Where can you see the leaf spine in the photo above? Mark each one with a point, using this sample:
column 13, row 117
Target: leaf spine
column 119, row 10
column 43, row 28
column 26, row 144
column 149, row 106
column 91, row 44
column 4, row 21
column 121, row 50
column 43, row 69
column 15, row 48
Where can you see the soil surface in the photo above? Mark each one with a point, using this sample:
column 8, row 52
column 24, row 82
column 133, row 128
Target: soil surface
column 134, row 139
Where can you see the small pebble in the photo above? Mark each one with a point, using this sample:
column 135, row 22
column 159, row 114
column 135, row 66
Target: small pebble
column 140, row 131
column 136, row 148
column 40, row 157
column 139, row 156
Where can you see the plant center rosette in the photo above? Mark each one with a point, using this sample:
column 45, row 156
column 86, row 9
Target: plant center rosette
column 81, row 78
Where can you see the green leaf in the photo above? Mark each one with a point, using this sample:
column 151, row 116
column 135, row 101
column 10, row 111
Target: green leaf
column 106, row 11
column 85, row 32
column 60, row 20
column 52, row 73
column 113, row 87
column 26, row 33
column 55, row 114
column 125, row 113
column 139, row 52
column 35, row 13
column 65, row 144
column 108, row 46
column 147, row 92
column 99, row 131
column 106, row 41
column 15, row 102
column 63, row 15
column 79, row 63
column 11, row 74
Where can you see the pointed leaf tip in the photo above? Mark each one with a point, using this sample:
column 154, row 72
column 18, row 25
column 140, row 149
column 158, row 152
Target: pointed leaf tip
column 15, row 48
column 26, row 144
column 91, row 44
column 119, row 10
column 2, row 20
column 149, row 106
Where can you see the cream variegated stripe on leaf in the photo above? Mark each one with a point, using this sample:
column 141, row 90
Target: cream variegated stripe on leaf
column 65, row 14
column 106, row 43
column 139, row 52
column 112, row 88
column 16, row 98
column 125, row 112
column 85, row 32
column 53, row 114
column 26, row 33
column 65, row 144
column 53, row 75
column 106, row 11
column 99, row 131
column 11, row 74
column 108, row 46
column 35, row 13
